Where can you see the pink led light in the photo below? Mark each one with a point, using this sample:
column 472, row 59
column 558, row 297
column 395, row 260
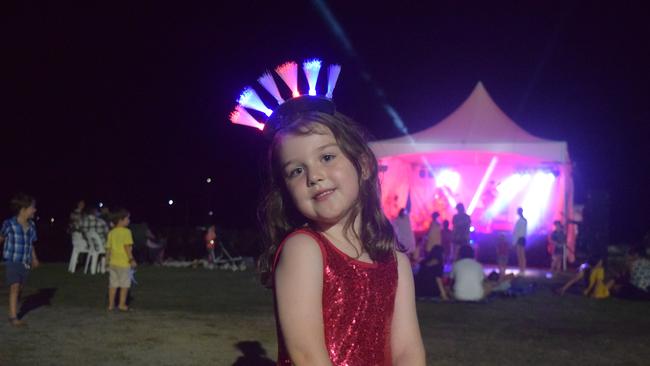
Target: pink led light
column 288, row 71
column 241, row 117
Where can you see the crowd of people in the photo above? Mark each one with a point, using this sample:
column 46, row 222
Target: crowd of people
column 466, row 280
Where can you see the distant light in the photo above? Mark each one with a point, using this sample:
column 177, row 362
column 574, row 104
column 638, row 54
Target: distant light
column 209, row 180
column 52, row 220
column 212, row 241
column 101, row 204
column 471, row 229
column 210, row 213
column 170, row 202
column 548, row 275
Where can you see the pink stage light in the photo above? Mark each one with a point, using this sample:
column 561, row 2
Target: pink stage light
column 537, row 199
column 448, row 178
column 481, row 186
column 506, row 192
column 450, row 198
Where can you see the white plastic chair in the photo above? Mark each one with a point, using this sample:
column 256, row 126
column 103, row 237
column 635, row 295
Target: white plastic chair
column 79, row 246
column 97, row 249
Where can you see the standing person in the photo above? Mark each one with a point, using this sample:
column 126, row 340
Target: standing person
column 434, row 235
column 519, row 240
column 344, row 294
column 119, row 252
column 558, row 239
column 445, row 238
column 19, row 234
column 210, row 239
column 405, row 231
column 503, row 252
column 460, row 231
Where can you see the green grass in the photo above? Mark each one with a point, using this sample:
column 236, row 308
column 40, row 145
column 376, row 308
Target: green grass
column 185, row 316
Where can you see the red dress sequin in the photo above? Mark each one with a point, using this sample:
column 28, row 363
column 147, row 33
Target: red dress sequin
column 358, row 303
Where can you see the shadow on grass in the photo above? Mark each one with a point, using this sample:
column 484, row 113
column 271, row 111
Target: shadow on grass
column 253, row 354
column 35, row 301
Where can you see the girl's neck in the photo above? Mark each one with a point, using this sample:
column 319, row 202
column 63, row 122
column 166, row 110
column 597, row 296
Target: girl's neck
column 346, row 240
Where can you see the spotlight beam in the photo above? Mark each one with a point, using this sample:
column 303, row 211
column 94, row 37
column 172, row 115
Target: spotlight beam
column 481, row 186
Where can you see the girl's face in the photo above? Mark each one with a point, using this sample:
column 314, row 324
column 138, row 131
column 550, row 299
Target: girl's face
column 321, row 180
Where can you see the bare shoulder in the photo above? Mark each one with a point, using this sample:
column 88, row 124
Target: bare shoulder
column 402, row 261
column 300, row 248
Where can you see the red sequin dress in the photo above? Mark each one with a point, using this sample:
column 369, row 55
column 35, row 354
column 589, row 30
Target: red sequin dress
column 358, row 303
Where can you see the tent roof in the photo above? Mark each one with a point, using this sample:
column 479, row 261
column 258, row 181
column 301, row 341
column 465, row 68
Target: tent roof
column 477, row 125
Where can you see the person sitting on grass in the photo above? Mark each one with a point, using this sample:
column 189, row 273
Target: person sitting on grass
column 582, row 274
column 636, row 286
column 119, row 252
column 428, row 281
column 598, row 288
column 468, row 277
column 19, row 234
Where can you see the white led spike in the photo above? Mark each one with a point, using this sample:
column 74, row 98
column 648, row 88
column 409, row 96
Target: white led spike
column 266, row 80
column 250, row 99
column 311, row 69
column 332, row 78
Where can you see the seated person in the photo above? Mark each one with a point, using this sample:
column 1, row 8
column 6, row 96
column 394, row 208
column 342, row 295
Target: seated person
column 468, row 277
column 500, row 283
column 155, row 247
column 428, row 281
column 583, row 273
column 638, row 285
column 598, row 288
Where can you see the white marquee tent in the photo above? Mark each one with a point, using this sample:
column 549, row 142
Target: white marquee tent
column 476, row 135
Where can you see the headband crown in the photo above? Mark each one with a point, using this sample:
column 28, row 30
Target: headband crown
column 286, row 110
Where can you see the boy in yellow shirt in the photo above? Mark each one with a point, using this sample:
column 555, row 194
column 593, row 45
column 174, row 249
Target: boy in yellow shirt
column 119, row 253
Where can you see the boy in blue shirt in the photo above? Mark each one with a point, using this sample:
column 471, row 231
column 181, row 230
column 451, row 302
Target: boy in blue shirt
column 19, row 234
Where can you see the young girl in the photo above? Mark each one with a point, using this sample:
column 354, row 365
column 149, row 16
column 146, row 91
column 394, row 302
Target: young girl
column 343, row 293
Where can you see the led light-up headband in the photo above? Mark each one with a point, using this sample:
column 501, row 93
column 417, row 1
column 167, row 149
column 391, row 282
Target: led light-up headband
column 286, row 110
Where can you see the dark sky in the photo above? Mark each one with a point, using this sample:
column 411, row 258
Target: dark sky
column 128, row 104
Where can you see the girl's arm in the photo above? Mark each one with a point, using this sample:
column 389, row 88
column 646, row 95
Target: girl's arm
column 298, row 288
column 405, row 338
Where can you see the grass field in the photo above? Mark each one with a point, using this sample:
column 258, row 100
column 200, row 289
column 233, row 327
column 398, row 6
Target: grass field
column 185, row 316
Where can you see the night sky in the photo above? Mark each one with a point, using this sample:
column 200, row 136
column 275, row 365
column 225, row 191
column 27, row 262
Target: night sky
column 128, row 104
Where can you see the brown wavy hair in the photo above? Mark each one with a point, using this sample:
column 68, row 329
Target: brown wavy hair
column 278, row 215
